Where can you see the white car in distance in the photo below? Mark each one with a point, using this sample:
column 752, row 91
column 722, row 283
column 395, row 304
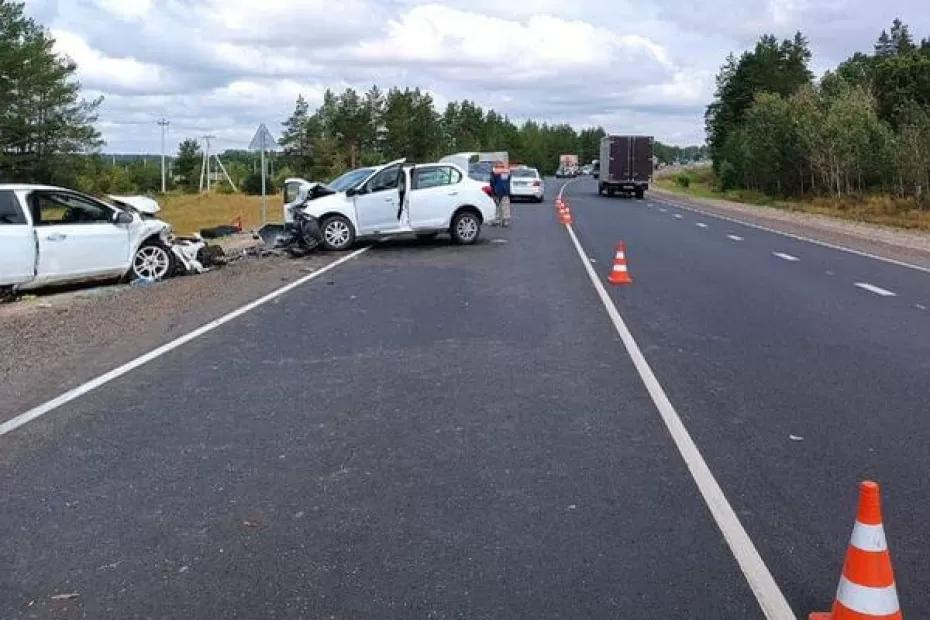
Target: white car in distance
column 397, row 198
column 526, row 183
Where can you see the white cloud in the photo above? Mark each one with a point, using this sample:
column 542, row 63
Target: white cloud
column 222, row 66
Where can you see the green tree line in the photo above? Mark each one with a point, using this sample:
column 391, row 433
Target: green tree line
column 864, row 127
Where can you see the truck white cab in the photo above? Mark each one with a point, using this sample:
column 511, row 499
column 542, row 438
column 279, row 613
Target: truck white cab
column 50, row 235
column 396, row 198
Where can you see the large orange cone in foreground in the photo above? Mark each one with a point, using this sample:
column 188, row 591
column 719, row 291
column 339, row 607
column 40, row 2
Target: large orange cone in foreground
column 619, row 273
column 867, row 589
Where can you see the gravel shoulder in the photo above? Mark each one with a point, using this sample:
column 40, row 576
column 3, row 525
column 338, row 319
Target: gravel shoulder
column 884, row 241
column 54, row 342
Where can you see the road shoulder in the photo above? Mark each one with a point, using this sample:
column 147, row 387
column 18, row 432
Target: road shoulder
column 882, row 241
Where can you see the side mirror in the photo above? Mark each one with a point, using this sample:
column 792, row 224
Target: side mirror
column 122, row 217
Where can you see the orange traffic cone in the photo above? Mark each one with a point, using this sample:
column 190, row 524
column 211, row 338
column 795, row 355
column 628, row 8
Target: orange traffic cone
column 867, row 589
column 619, row 273
column 565, row 215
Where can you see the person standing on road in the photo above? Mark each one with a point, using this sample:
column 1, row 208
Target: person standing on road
column 500, row 187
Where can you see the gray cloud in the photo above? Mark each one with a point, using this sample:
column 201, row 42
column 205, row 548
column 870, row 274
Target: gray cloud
column 223, row 66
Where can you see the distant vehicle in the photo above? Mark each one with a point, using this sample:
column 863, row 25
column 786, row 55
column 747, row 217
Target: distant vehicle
column 526, row 183
column 568, row 162
column 394, row 199
column 51, row 235
column 626, row 165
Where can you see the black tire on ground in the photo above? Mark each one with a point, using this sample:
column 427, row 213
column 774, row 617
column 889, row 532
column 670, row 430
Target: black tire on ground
column 153, row 261
column 640, row 194
column 465, row 228
column 611, row 192
column 540, row 199
column 6, row 294
column 337, row 232
column 600, row 189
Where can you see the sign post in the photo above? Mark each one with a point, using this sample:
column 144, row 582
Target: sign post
column 261, row 142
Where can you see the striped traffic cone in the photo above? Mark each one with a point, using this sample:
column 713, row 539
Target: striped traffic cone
column 867, row 589
column 619, row 274
column 565, row 215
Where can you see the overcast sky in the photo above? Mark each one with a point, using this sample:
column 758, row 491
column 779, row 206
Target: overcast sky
column 224, row 66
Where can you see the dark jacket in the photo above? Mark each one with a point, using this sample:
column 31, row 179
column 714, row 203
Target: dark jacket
column 500, row 184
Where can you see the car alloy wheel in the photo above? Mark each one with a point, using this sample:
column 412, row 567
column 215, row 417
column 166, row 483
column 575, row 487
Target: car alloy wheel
column 466, row 229
column 151, row 262
column 337, row 234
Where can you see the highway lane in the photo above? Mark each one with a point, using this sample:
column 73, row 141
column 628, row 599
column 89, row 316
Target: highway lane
column 427, row 431
column 795, row 382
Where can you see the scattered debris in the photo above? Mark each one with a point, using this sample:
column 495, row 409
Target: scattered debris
column 572, row 506
column 67, row 596
column 795, row 438
column 499, row 240
column 250, row 523
column 183, row 569
column 218, row 231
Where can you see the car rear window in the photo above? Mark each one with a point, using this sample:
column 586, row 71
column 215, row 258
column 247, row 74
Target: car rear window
column 10, row 211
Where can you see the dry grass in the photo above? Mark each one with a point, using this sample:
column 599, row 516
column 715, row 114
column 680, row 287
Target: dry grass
column 188, row 213
column 874, row 209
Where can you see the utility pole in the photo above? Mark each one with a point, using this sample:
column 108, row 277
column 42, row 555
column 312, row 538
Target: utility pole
column 206, row 158
column 163, row 123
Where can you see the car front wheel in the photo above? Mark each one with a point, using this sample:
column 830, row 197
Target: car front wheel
column 465, row 229
column 337, row 233
column 152, row 261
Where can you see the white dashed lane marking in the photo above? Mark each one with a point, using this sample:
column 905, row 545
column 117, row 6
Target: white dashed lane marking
column 787, row 257
column 734, row 238
column 678, row 216
column 875, row 289
column 701, row 225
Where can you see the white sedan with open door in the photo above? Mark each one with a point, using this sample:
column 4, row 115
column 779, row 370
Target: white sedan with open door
column 398, row 198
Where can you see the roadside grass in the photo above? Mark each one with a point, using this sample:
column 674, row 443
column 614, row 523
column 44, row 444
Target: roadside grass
column 873, row 209
column 188, row 213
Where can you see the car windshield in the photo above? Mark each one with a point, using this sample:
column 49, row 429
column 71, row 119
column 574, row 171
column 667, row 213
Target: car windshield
column 524, row 173
column 480, row 171
column 350, row 179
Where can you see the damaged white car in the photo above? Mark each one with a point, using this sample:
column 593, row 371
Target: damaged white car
column 397, row 198
column 50, row 235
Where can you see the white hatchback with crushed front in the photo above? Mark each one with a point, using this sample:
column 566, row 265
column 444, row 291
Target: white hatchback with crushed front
column 394, row 199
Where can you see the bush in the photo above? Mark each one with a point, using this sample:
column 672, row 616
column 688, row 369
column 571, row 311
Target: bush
column 683, row 180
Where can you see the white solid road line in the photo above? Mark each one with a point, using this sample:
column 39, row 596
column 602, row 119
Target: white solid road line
column 787, row 257
column 663, row 210
column 28, row 416
column 875, row 289
column 678, row 216
column 767, row 593
column 775, row 231
column 701, row 225
column 734, row 238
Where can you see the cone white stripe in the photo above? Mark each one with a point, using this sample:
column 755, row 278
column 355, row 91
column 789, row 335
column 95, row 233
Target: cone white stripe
column 619, row 267
column 865, row 600
column 620, row 256
column 869, row 537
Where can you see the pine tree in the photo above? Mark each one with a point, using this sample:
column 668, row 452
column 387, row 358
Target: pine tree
column 43, row 120
column 296, row 138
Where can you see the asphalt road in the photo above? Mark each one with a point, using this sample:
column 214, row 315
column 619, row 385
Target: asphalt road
column 439, row 432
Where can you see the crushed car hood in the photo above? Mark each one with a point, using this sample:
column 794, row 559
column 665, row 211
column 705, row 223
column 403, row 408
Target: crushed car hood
column 142, row 204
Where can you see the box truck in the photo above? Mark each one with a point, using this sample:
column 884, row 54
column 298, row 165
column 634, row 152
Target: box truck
column 625, row 165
